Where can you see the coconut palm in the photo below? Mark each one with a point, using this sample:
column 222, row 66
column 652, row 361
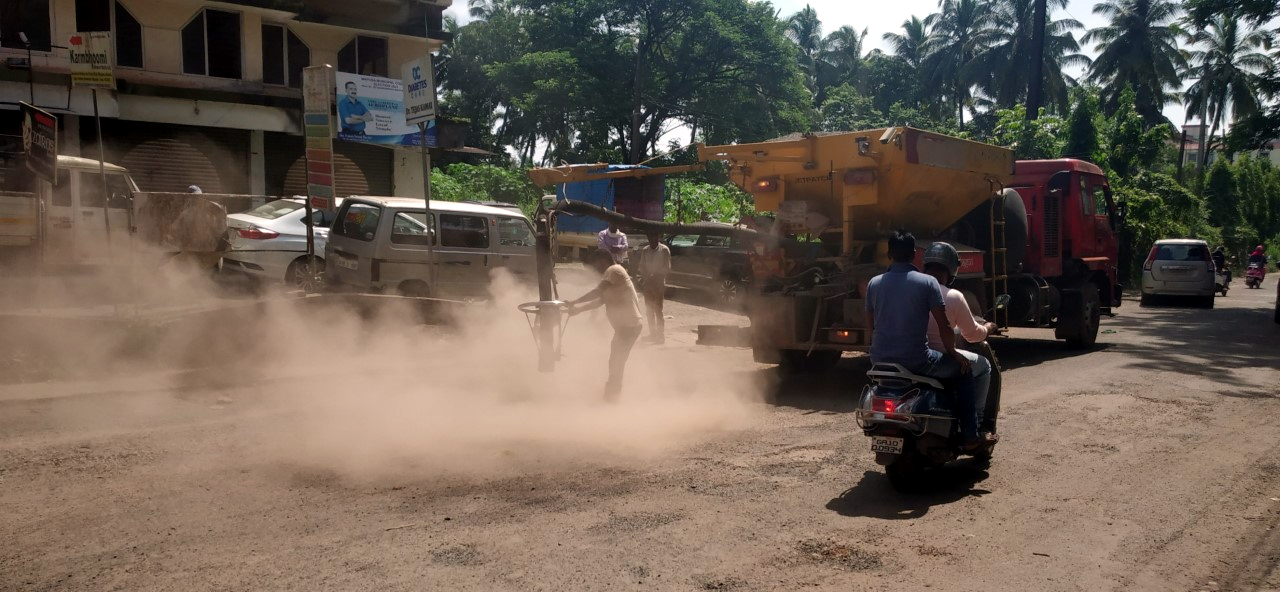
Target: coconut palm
column 485, row 9
column 1002, row 71
column 1138, row 48
column 1230, row 68
column 955, row 40
column 909, row 45
column 840, row 60
column 804, row 28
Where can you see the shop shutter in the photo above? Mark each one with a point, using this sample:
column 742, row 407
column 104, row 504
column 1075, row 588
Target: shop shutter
column 358, row 170
column 169, row 158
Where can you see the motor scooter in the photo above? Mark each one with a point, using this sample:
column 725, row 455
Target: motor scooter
column 913, row 423
column 1221, row 282
column 1254, row 275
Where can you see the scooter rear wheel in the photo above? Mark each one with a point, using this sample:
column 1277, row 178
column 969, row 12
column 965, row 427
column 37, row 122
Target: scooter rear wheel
column 906, row 475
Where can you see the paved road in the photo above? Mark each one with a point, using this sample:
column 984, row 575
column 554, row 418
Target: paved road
column 343, row 455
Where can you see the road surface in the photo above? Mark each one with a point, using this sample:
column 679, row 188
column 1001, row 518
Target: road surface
column 341, row 455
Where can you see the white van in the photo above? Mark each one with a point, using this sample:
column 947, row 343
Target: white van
column 379, row 244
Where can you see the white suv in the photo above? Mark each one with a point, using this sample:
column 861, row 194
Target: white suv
column 1179, row 267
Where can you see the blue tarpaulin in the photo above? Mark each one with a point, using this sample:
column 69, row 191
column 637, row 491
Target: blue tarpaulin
column 604, row 193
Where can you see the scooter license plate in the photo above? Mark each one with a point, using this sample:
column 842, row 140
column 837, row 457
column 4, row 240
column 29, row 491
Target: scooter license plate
column 889, row 445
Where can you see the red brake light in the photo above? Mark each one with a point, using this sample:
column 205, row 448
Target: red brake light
column 255, row 233
column 764, row 186
column 1151, row 259
column 884, row 405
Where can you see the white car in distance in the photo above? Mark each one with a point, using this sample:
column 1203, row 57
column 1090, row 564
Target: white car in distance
column 269, row 242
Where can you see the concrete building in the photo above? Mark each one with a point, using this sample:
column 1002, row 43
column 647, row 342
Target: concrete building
column 208, row 93
column 1191, row 149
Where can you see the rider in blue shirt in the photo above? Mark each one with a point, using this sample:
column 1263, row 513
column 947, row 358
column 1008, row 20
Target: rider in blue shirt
column 352, row 114
column 899, row 304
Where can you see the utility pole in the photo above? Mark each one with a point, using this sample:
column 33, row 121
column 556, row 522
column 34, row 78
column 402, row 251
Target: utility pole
column 1037, row 66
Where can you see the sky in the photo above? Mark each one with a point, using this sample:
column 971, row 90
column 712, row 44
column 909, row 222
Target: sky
column 883, row 16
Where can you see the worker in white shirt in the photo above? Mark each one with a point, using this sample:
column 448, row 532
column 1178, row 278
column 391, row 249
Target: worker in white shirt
column 941, row 260
column 617, row 294
column 655, row 264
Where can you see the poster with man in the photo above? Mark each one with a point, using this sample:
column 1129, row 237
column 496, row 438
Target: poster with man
column 371, row 111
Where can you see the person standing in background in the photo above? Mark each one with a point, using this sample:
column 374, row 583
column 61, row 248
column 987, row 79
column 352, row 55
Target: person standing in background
column 614, row 242
column 655, row 263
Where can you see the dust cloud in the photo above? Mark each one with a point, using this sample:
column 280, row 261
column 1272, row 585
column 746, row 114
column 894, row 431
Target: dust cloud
column 371, row 393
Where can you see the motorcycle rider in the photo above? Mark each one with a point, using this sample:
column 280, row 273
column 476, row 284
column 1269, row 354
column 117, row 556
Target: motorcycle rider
column 898, row 305
column 941, row 260
column 1258, row 256
column 1220, row 263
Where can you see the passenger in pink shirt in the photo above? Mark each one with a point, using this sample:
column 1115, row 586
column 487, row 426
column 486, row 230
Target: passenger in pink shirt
column 942, row 261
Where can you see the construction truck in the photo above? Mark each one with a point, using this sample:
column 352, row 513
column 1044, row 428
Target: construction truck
column 1042, row 232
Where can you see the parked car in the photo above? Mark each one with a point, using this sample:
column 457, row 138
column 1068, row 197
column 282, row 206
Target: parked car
column 379, row 244
column 269, row 242
column 716, row 264
column 1179, row 267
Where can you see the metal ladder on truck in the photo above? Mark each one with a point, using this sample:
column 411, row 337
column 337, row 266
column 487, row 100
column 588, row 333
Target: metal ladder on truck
column 998, row 280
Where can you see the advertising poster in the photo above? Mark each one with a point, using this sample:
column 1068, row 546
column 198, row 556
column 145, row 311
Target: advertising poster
column 40, row 141
column 371, row 111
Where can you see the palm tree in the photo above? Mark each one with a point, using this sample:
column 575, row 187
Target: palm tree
column 1002, row 70
column 909, row 45
column 804, row 28
column 1230, row 72
column 1138, row 48
column 958, row 32
column 485, row 9
column 840, row 60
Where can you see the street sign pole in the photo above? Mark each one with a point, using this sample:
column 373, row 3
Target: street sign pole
column 419, row 82
column 102, row 174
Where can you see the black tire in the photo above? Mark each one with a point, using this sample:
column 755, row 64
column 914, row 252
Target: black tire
column 1089, row 310
column 1146, row 300
column 300, row 277
column 799, row 361
column 1207, row 302
column 413, row 289
column 732, row 290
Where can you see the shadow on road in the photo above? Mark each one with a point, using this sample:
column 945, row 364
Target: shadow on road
column 874, row 497
column 1207, row 343
column 834, row 391
column 1016, row 353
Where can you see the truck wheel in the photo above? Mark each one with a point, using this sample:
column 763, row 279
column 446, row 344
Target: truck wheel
column 1085, row 313
column 413, row 289
column 800, row 361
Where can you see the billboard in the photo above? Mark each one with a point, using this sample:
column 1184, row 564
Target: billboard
column 40, row 142
column 91, row 60
column 371, row 111
column 418, row 77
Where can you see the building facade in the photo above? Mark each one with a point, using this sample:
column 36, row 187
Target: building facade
column 209, row 93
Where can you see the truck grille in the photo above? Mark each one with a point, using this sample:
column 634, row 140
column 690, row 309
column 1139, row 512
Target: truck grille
column 1051, row 225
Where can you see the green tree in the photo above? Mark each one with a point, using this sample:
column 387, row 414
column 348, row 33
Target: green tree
column 956, row 38
column 1221, row 195
column 1082, row 128
column 1131, row 147
column 1230, row 69
column 1035, row 139
column 804, row 28
column 840, row 61
column 1258, row 194
column 846, row 110
column 1138, row 48
column 1003, row 69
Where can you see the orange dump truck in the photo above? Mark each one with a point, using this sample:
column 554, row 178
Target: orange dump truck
column 1044, row 233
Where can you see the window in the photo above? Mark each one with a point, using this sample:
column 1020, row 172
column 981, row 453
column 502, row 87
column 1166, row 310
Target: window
column 1086, row 198
column 715, row 241
column 359, row 221
column 98, row 15
column 684, row 240
column 211, row 44
column 514, row 232
column 410, row 228
column 274, row 209
column 364, row 55
column 1100, row 200
column 470, row 232
column 29, row 17
column 1182, row 253
column 284, row 56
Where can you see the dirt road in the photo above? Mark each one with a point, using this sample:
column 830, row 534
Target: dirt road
column 1151, row 463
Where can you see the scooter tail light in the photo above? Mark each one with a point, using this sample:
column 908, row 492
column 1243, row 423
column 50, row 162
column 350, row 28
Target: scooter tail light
column 879, row 405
